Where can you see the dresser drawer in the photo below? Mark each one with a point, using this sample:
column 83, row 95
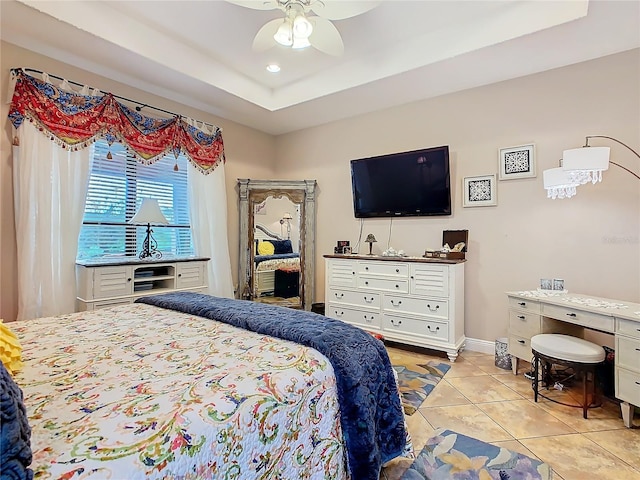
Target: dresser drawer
column 383, row 268
column 628, row 386
column 383, row 284
column 361, row 318
column 596, row 321
column 524, row 324
column 416, row 306
column 412, row 326
column 520, row 347
column 628, row 353
column 521, row 304
column 364, row 299
column 628, row 327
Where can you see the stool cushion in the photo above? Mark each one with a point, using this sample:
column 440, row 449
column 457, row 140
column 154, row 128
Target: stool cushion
column 568, row 348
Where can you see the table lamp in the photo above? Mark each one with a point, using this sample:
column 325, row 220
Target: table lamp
column 370, row 240
column 148, row 213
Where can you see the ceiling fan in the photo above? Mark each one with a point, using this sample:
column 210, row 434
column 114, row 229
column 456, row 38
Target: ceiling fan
column 299, row 29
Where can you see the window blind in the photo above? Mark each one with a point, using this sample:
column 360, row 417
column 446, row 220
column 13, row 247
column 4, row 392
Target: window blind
column 116, row 189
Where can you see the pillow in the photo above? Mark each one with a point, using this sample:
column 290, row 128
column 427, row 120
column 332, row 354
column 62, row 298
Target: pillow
column 265, row 248
column 282, row 246
column 15, row 433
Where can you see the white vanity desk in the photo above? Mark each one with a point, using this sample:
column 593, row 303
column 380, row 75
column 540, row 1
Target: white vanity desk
column 538, row 311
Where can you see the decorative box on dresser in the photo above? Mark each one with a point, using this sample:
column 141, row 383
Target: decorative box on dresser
column 532, row 312
column 108, row 282
column 412, row 300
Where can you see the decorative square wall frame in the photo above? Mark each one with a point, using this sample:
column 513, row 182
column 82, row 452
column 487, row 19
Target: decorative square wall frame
column 479, row 191
column 517, row 162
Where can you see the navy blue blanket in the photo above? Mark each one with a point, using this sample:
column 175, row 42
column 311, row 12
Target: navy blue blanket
column 370, row 410
column 15, row 433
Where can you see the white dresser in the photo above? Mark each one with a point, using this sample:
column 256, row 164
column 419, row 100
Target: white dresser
column 533, row 312
column 105, row 283
column 411, row 300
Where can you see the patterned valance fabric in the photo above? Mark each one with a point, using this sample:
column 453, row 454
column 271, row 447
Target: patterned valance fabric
column 75, row 120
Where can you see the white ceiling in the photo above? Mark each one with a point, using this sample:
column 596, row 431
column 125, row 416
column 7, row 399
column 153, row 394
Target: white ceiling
column 199, row 52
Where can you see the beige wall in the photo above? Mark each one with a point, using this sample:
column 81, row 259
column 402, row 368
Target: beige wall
column 592, row 240
column 249, row 153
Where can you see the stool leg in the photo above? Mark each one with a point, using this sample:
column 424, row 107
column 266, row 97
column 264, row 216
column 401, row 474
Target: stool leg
column 585, row 402
column 536, row 362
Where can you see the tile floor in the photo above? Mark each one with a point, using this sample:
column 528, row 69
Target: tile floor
column 478, row 399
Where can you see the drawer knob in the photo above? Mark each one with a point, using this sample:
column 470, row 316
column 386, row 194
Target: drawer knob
column 397, row 286
column 179, row 275
column 431, row 330
column 128, row 279
column 521, row 317
column 397, row 270
column 396, row 322
column 521, row 342
column 366, row 283
column 368, row 300
column 522, row 304
column 366, row 268
column 433, row 309
column 339, row 295
column 572, row 315
column 396, row 303
column 339, row 314
column 368, row 319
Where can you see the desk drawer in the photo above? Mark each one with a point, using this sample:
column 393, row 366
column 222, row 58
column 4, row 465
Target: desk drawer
column 524, row 324
column 520, row 347
column 628, row 386
column 628, row 353
column 521, row 304
column 628, row 327
column 592, row 320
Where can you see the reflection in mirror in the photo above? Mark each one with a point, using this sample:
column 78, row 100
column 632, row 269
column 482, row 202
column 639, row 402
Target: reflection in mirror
column 277, row 235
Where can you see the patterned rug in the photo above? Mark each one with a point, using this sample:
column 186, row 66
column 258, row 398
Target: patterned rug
column 417, row 381
column 453, row 456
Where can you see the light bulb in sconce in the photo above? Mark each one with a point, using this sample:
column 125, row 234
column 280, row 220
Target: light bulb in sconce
column 286, row 219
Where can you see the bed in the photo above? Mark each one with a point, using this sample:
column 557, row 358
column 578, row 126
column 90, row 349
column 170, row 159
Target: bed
column 188, row 386
column 282, row 258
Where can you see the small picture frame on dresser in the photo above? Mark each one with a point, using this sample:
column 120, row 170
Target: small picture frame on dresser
column 546, row 284
column 558, row 284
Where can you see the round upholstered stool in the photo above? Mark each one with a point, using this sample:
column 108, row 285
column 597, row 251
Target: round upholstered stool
column 580, row 355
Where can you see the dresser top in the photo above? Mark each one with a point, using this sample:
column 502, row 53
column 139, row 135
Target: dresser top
column 395, row 259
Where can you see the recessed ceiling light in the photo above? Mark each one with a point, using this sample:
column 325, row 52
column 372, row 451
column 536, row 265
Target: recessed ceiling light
column 273, row 68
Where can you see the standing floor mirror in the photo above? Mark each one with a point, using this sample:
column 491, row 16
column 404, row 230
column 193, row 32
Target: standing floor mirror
column 277, row 241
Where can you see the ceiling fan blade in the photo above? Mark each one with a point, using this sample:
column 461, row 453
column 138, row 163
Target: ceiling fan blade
column 264, row 38
column 339, row 9
column 256, row 4
column 325, row 37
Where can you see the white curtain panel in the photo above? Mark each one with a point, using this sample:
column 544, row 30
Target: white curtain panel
column 50, row 186
column 208, row 210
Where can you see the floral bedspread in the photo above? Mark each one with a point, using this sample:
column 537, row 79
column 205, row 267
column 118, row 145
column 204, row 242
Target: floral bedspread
column 277, row 263
column 137, row 392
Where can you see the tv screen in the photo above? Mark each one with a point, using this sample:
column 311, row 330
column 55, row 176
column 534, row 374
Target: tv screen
column 402, row 184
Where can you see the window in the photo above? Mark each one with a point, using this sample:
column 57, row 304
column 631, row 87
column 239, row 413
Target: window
column 116, row 189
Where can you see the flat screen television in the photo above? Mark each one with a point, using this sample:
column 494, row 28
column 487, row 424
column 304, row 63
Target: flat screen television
column 412, row 183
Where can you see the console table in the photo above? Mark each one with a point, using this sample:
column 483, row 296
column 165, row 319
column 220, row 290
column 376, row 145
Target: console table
column 413, row 300
column 117, row 281
column 539, row 311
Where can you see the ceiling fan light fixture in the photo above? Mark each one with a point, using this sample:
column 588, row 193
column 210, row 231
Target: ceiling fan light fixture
column 300, row 43
column 284, row 34
column 302, row 27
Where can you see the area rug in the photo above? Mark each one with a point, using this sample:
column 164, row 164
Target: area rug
column 417, row 381
column 453, row 456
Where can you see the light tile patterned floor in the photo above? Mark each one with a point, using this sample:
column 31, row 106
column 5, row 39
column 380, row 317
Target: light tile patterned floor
column 476, row 398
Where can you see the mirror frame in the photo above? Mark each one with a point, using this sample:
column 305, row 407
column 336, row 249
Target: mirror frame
column 252, row 192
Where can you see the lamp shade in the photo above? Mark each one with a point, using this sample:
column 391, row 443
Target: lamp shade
column 586, row 164
column 558, row 183
column 371, row 238
column 149, row 212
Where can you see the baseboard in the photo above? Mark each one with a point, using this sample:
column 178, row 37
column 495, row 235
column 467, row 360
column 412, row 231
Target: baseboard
column 476, row 345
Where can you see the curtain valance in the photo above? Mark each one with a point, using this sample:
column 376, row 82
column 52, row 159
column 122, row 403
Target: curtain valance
column 75, row 120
